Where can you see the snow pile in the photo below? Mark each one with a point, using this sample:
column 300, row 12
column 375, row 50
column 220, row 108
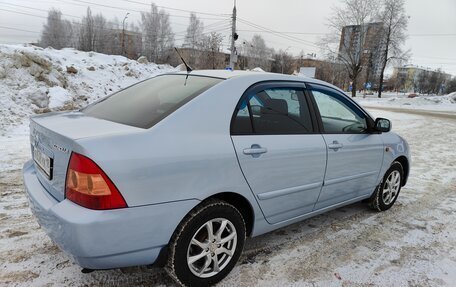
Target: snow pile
column 445, row 103
column 58, row 97
column 257, row 69
column 36, row 80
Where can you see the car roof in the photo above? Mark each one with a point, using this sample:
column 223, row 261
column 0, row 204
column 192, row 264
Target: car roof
column 228, row 74
column 256, row 76
column 225, row 74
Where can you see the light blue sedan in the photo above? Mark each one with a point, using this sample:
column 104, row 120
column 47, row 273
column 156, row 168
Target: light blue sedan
column 179, row 169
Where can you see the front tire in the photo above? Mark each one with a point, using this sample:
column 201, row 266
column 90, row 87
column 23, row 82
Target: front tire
column 387, row 191
column 206, row 245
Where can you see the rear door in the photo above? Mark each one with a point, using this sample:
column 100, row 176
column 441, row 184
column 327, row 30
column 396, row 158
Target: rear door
column 282, row 156
column 355, row 155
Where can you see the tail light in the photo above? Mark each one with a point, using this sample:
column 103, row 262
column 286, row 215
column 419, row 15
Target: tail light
column 88, row 186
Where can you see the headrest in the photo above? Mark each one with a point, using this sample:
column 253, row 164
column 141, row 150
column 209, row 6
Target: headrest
column 275, row 106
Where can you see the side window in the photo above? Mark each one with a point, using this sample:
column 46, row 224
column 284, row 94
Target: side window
column 338, row 114
column 242, row 124
column 273, row 111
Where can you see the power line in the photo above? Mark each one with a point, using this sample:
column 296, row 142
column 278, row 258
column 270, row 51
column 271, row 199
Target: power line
column 321, row 33
column 37, row 9
column 75, row 37
column 208, row 32
column 133, row 10
column 218, row 24
column 297, row 33
column 174, row 9
column 24, row 13
column 275, row 32
column 214, row 28
column 16, row 29
column 278, row 34
column 46, row 17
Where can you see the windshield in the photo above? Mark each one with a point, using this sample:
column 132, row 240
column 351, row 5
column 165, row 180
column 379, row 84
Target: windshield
column 148, row 102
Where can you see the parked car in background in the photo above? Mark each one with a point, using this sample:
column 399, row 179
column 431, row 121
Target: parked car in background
column 179, row 169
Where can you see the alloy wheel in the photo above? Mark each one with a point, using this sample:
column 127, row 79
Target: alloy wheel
column 391, row 187
column 212, row 247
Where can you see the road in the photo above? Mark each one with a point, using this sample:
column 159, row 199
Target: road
column 412, row 244
column 439, row 114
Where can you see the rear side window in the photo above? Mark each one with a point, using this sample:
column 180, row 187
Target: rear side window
column 273, row 111
column 146, row 103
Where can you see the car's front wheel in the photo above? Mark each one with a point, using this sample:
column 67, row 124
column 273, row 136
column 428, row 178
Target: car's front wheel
column 207, row 244
column 388, row 190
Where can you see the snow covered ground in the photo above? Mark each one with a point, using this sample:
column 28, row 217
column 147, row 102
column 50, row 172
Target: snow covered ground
column 412, row 244
column 445, row 104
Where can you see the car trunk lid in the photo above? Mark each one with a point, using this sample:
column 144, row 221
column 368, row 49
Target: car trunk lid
column 53, row 138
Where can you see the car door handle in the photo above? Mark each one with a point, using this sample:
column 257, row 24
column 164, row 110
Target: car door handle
column 335, row 145
column 255, row 150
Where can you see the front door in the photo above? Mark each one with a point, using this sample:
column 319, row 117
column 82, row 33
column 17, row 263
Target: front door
column 354, row 154
column 282, row 157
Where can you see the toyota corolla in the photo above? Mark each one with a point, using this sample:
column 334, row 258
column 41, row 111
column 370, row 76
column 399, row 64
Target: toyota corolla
column 179, row 169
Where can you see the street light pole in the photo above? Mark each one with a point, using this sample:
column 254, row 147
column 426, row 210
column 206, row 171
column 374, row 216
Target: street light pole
column 233, row 33
column 123, row 34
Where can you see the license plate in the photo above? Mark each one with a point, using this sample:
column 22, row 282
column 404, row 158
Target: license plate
column 43, row 161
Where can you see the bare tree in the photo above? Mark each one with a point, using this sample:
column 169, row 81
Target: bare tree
column 351, row 20
column 398, row 80
column 258, row 54
column 438, row 81
column 193, row 39
column 393, row 36
column 194, row 32
column 165, row 38
column 86, row 34
column 95, row 33
column 283, row 62
column 157, row 33
column 211, row 46
column 451, row 86
column 57, row 32
column 101, row 33
column 112, row 38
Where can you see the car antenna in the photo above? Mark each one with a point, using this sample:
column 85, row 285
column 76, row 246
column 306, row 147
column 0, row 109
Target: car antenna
column 189, row 69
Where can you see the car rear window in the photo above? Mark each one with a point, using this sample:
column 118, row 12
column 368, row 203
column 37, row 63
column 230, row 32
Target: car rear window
column 148, row 102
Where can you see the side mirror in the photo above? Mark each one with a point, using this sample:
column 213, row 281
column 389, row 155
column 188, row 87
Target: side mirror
column 382, row 125
column 256, row 110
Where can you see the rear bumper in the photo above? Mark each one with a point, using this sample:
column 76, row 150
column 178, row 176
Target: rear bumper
column 104, row 239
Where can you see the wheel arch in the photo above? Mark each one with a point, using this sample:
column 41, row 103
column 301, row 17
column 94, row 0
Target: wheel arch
column 406, row 166
column 241, row 203
column 235, row 199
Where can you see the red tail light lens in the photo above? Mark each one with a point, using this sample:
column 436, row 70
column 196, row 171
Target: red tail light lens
column 88, row 186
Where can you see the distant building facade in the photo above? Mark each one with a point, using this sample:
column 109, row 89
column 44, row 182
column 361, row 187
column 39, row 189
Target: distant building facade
column 132, row 42
column 363, row 42
column 414, row 79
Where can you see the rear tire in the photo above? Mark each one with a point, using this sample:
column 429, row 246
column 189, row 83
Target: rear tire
column 206, row 245
column 387, row 191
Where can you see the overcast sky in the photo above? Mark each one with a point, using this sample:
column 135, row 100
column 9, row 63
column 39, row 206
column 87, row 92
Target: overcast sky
column 432, row 25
